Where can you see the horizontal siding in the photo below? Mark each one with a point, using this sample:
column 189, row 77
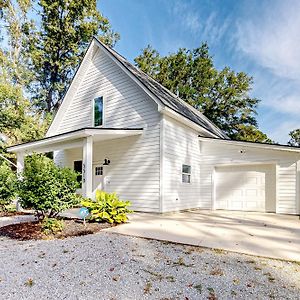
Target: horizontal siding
column 286, row 191
column 180, row 146
column 135, row 161
column 213, row 154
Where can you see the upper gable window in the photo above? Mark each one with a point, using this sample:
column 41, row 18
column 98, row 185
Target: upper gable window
column 98, row 111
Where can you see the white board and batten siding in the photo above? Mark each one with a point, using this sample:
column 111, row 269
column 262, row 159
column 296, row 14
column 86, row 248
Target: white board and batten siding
column 180, row 145
column 134, row 171
column 284, row 164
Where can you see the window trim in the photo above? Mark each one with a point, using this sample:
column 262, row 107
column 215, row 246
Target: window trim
column 189, row 174
column 103, row 111
column 96, row 169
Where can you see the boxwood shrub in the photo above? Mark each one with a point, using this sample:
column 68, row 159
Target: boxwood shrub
column 47, row 188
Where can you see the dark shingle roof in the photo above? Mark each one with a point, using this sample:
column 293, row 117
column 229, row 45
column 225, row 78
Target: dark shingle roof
column 168, row 98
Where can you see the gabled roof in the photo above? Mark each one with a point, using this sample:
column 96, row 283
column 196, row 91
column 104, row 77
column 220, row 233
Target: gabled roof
column 167, row 98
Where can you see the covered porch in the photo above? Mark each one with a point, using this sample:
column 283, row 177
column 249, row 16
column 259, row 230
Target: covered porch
column 83, row 140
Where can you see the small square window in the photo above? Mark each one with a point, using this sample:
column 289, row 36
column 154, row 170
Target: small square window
column 99, row 171
column 186, row 174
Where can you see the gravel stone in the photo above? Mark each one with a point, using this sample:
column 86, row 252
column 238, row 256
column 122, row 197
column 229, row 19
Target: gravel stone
column 112, row 266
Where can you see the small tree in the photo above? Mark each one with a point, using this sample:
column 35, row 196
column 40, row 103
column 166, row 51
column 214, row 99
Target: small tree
column 47, row 188
column 8, row 185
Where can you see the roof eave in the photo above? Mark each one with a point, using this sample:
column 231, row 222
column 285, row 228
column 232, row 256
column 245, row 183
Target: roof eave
column 72, row 136
column 169, row 112
column 252, row 144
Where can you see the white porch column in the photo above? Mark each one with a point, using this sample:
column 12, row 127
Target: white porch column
column 20, row 162
column 87, row 167
column 20, row 169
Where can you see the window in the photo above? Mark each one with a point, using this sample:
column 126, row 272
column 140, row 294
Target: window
column 78, row 168
column 99, row 171
column 98, row 111
column 186, row 174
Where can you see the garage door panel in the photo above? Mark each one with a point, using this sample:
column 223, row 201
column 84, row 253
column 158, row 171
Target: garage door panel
column 242, row 187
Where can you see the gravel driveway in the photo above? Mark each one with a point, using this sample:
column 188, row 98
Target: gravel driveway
column 112, row 266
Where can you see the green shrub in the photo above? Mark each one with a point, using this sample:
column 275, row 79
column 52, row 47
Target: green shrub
column 107, row 208
column 47, row 188
column 8, row 186
column 52, row 226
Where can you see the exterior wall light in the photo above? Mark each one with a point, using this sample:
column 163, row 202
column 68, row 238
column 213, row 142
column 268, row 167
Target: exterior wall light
column 106, row 162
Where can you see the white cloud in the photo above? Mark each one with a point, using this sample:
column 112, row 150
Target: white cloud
column 272, row 38
column 280, row 130
column 281, row 95
column 188, row 17
column 198, row 22
column 213, row 30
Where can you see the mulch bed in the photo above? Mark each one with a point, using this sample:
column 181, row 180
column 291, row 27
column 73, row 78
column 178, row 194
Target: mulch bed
column 32, row 230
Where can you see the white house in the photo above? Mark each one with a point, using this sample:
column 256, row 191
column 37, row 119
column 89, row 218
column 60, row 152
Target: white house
column 128, row 134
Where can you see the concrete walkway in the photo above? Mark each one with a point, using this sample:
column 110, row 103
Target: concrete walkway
column 4, row 221
column 261, row 234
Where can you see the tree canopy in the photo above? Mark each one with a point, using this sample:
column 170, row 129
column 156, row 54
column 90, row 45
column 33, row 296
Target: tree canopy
column 222, row 96
column 19, row 120
column 57, row 46
column 41, row 44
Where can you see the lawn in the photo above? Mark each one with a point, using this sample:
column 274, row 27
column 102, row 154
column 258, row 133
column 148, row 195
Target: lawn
column 112, row 266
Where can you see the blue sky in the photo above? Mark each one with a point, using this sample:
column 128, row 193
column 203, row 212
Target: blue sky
column 261, row 38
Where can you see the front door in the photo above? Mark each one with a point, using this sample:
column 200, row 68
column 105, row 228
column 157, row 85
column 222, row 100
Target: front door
column 98, row 182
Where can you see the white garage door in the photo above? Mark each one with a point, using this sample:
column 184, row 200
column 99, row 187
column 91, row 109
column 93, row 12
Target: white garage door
column 244, row 187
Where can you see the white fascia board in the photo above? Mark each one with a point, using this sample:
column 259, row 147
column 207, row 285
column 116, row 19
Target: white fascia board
column 124, row 132
column 246, row 163
column 250, row 144
column 187, row 122
column 47, row 142
column 151, row 95
column 52, row 142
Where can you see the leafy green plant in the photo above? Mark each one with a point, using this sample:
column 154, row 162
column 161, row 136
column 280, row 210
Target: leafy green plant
column 107, row 208
column 47, row 188
column 52, row 226
column 8, row 186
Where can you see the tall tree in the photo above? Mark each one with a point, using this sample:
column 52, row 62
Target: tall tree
column 294, row 138
column 14, row 26
column 57, row 46
column 223, row 96
column 18, row 118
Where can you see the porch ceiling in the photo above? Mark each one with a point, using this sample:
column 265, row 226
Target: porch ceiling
column 73, row 139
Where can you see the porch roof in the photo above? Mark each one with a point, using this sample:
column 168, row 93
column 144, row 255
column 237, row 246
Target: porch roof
column 73, row 139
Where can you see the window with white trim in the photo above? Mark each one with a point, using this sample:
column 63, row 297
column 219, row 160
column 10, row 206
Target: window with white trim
column 186, row 174
column 98, row 111
column 98, row 171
